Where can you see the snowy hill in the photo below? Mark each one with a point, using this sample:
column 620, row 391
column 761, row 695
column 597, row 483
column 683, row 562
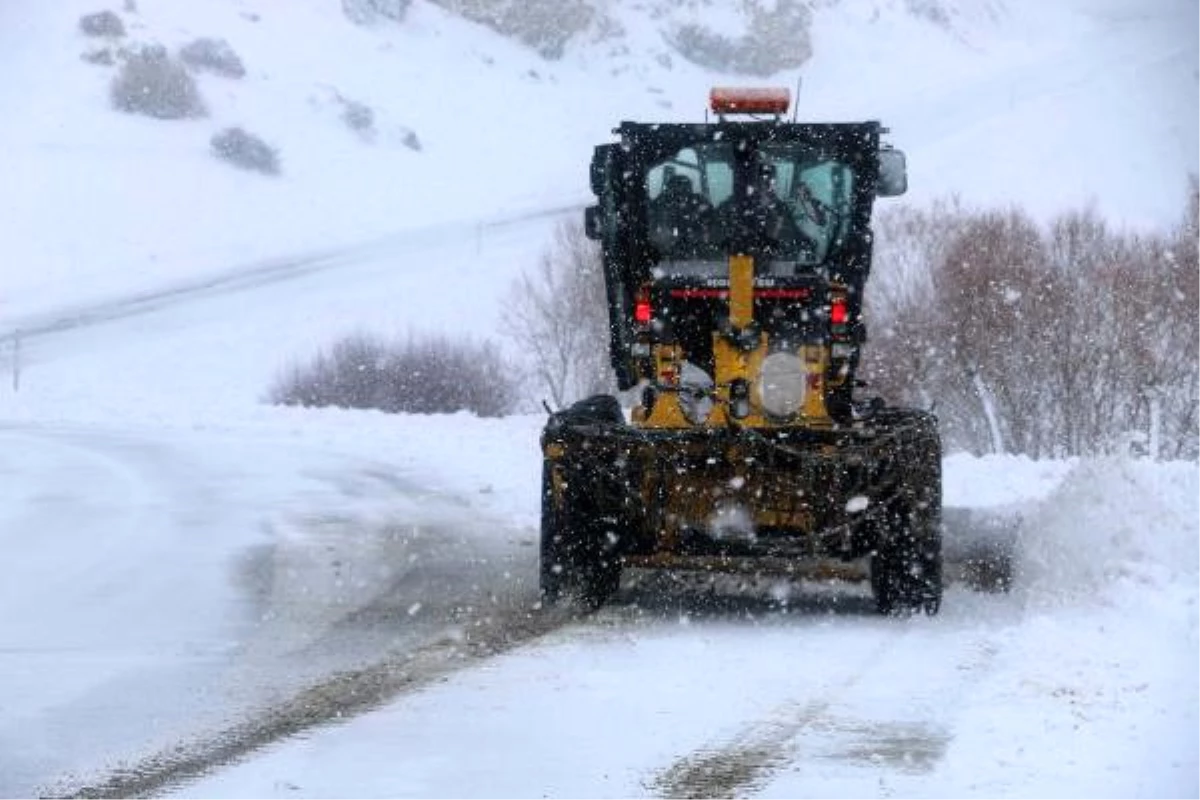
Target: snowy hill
column 1045, row 106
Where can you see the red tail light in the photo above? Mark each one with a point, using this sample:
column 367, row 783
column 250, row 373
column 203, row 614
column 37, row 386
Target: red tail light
column 642, row 312
column 839, row 312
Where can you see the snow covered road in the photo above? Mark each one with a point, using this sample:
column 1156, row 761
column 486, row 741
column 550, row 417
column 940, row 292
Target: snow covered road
column 198, row 598
column 166, row 587
column 1079, row 683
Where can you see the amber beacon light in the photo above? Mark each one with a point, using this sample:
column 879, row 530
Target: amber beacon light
column 737, row 100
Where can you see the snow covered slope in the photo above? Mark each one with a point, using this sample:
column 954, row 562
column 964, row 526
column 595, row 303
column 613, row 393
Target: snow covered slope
column 1045, row 105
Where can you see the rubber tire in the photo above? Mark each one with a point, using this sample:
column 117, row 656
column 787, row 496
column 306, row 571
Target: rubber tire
column 575, row 566
column 906, row 568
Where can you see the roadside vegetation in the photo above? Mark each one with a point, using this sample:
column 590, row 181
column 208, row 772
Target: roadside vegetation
column 1069, row 339
column 418, row 375
column 1072, row 338
column 557, row 315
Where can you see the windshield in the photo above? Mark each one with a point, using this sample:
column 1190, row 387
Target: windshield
column 788, row 201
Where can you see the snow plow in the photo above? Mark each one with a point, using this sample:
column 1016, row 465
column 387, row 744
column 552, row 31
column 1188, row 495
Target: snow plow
column 735, row 255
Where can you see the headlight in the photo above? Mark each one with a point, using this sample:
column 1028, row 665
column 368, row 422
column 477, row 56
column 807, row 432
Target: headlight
column 781, row 384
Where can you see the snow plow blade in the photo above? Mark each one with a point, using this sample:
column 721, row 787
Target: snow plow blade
column 794, row 569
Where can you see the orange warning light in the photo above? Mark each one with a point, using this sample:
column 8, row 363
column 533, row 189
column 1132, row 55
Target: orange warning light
column 740, row 100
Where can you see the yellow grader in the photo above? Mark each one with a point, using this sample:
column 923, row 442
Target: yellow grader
column 735, row 254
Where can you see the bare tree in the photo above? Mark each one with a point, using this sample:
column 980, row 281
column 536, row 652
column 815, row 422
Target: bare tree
column 558, row 316
column 1049, row 342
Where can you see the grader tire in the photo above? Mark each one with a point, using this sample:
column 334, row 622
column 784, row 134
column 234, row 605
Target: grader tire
column 576, row 567
column 906, row 568
column 906, row 573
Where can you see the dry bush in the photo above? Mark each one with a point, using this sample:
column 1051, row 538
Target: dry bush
column 245, row 151
column 102, row 23
column 409, row 138
column 931, row 11
column 990, row 284
column 101, row 57
column 544, row 25
column 1049, row 342
column 558, row 316
column 213, row 55
column 428, row 375
column 366, row 12
column 359, row 117
column 907, row 241
column 777, row 38
column 150, row 82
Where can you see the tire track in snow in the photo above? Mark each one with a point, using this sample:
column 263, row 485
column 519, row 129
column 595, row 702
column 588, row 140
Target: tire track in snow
column 340, row 696
column 802, row 731
column 464, row 618
column 742, row 762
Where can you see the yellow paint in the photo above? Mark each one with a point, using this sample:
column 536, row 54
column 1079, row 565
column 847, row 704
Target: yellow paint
column 667, row 412
column 741, row 290
column 816, row 361
column 732, row 363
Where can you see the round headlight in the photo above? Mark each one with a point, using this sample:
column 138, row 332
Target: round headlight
column 781, row 384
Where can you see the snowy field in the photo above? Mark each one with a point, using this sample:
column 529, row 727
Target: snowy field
column 190, row 570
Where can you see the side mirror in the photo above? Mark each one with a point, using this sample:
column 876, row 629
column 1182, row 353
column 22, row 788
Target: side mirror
column 603, row 159
column 592, row 223
column 893, row 173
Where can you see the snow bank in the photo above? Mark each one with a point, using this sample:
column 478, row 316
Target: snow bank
column 1113, row 527
column 999, row 483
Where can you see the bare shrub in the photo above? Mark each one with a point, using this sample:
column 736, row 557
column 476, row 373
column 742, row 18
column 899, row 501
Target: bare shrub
column 777, row 38
column 366, row 12
column 994, row 279
column 213, row 55
column 544, row 25
column 102, row 23
column 1051, row 342
column 425, row 375
column 246, row 151
column 150, row 82
column 558, row 315
column 101, row 57
column 1187, row 232
column 901, row 359
column 930, row 11
column 359, row 117
column 409, row 138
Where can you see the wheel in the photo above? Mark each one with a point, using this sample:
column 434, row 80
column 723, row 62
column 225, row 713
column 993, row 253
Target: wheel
column 579, row 560
column 906, row 568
